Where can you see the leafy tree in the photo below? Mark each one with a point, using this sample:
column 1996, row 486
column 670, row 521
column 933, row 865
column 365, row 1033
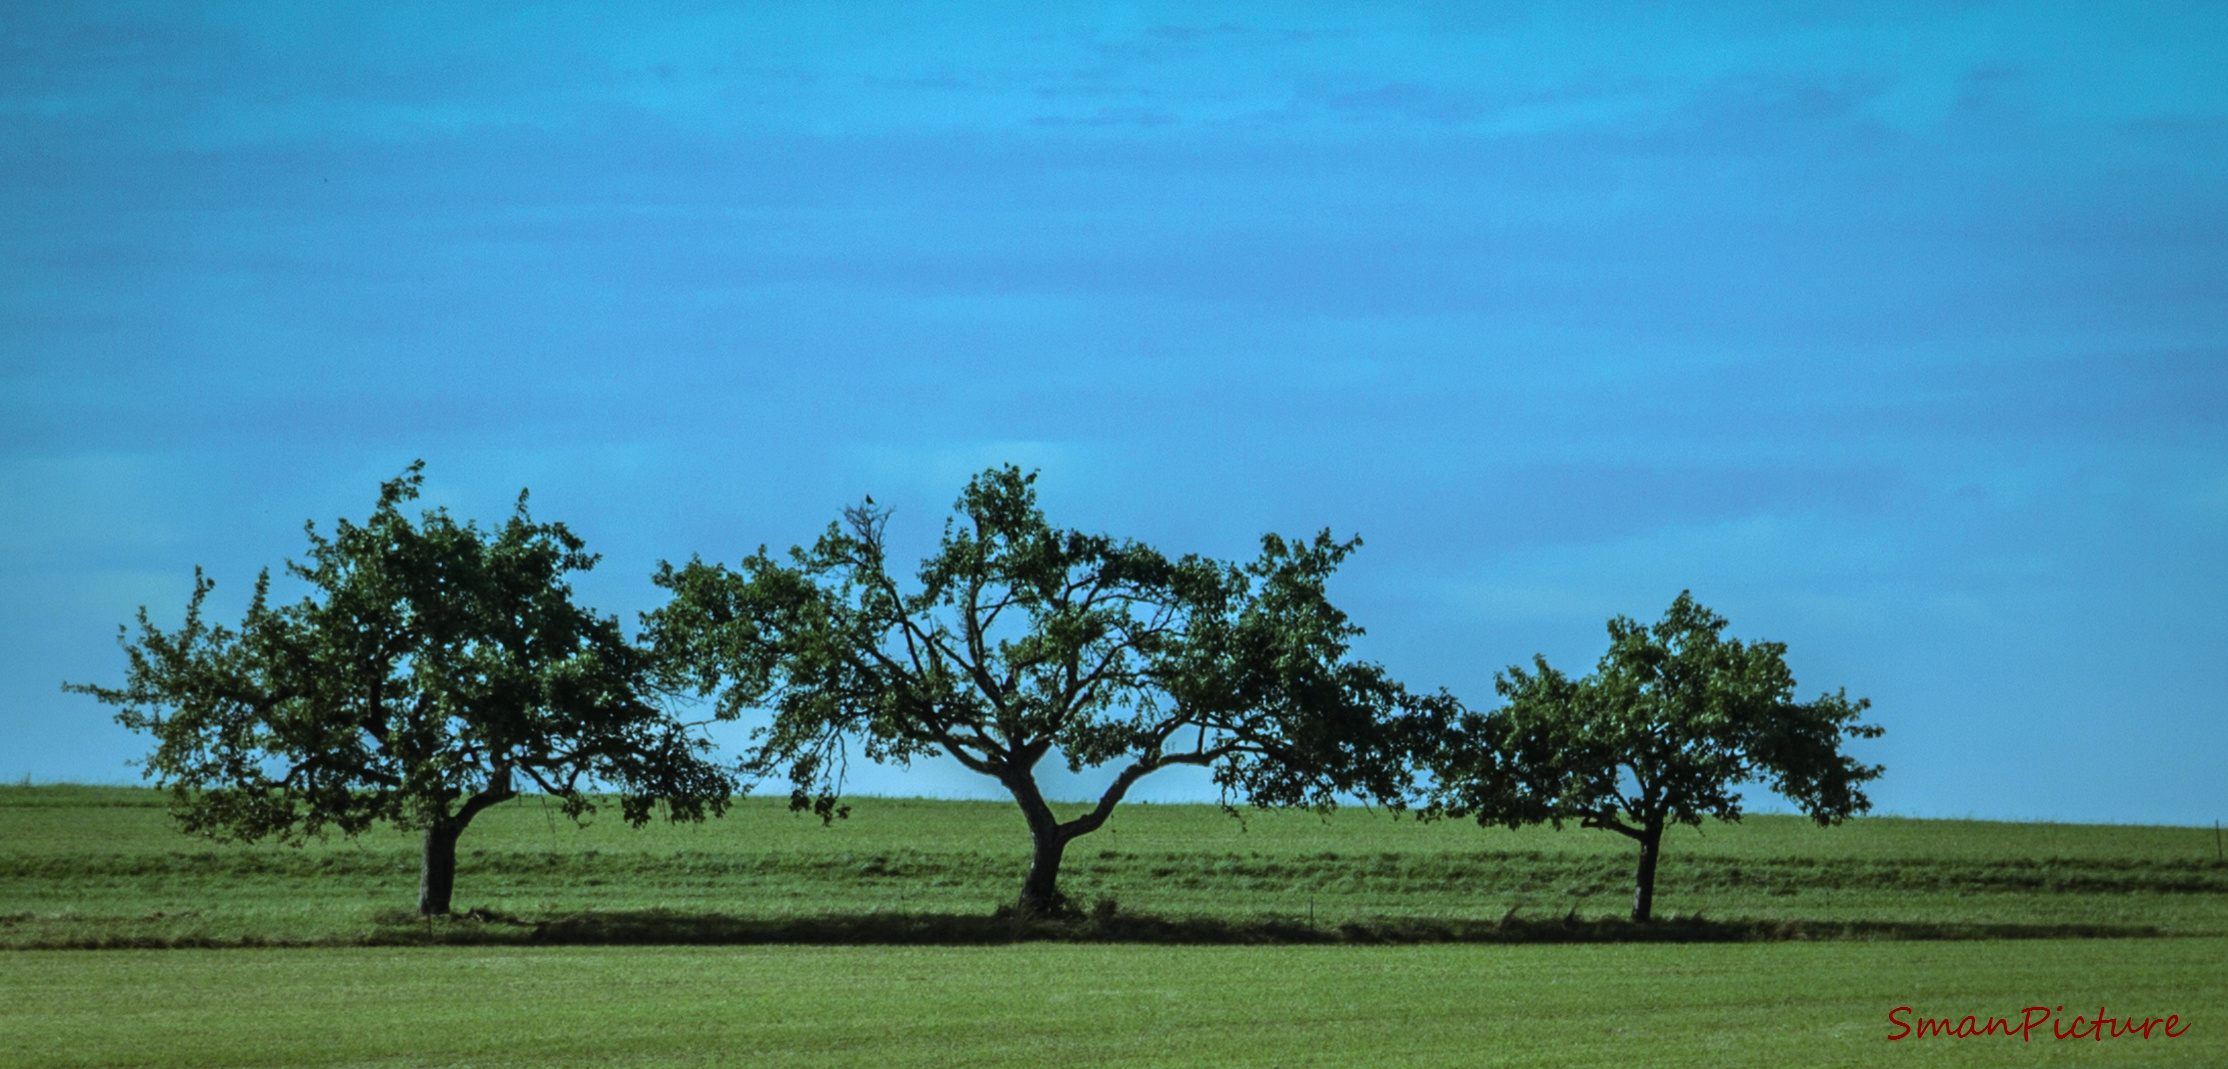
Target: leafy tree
column 436, row 670
column 1672, row 721
column 1020, row 638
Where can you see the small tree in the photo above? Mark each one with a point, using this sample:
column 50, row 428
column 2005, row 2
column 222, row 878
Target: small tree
column 1673, row 719
column 1021, row 638
column 435, row 671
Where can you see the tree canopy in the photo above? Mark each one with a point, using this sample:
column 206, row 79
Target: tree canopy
column 1017, row 639
column 434, row 670
column 1673, row 721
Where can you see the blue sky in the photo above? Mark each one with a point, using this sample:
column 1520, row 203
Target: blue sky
column 1897, row 334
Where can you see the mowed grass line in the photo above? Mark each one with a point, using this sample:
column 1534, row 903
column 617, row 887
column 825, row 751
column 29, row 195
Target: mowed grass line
column 1061, row 1004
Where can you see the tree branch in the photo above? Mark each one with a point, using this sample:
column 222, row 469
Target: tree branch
column 1093, row 820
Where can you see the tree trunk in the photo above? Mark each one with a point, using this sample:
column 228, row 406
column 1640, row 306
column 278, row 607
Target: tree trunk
column 1644, row 888
column 437, row 875
column 1040, row 891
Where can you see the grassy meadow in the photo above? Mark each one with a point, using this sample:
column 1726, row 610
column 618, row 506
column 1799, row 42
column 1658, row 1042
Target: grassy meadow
column 279, row 955
column 1048, row 1004
column 86, row 867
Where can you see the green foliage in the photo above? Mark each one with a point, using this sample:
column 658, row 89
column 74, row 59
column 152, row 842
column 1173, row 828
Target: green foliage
column 1674, row 719
column 435, row 670
column 1019, row 638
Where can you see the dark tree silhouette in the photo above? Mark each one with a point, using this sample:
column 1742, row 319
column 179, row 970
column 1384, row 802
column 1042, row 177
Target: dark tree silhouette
column 434, row 671
column 1020, row 638
column 1673, row 720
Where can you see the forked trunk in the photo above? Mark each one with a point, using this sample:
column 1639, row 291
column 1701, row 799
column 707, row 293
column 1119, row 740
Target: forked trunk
column 1644, row 888
column 1040, row 890
column 437, row 873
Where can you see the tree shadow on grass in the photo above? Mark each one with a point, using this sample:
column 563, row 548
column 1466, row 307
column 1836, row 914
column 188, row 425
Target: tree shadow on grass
column 666, row 927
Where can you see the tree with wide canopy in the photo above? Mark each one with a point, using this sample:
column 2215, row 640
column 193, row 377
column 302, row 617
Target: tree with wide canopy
column 1672, row 722
column 1018, row 639
column 435, row 670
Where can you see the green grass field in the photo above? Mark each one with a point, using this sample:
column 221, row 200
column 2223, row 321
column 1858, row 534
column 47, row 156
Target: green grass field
column 95, row 866
column 89, row 867
column 1044, row 1004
